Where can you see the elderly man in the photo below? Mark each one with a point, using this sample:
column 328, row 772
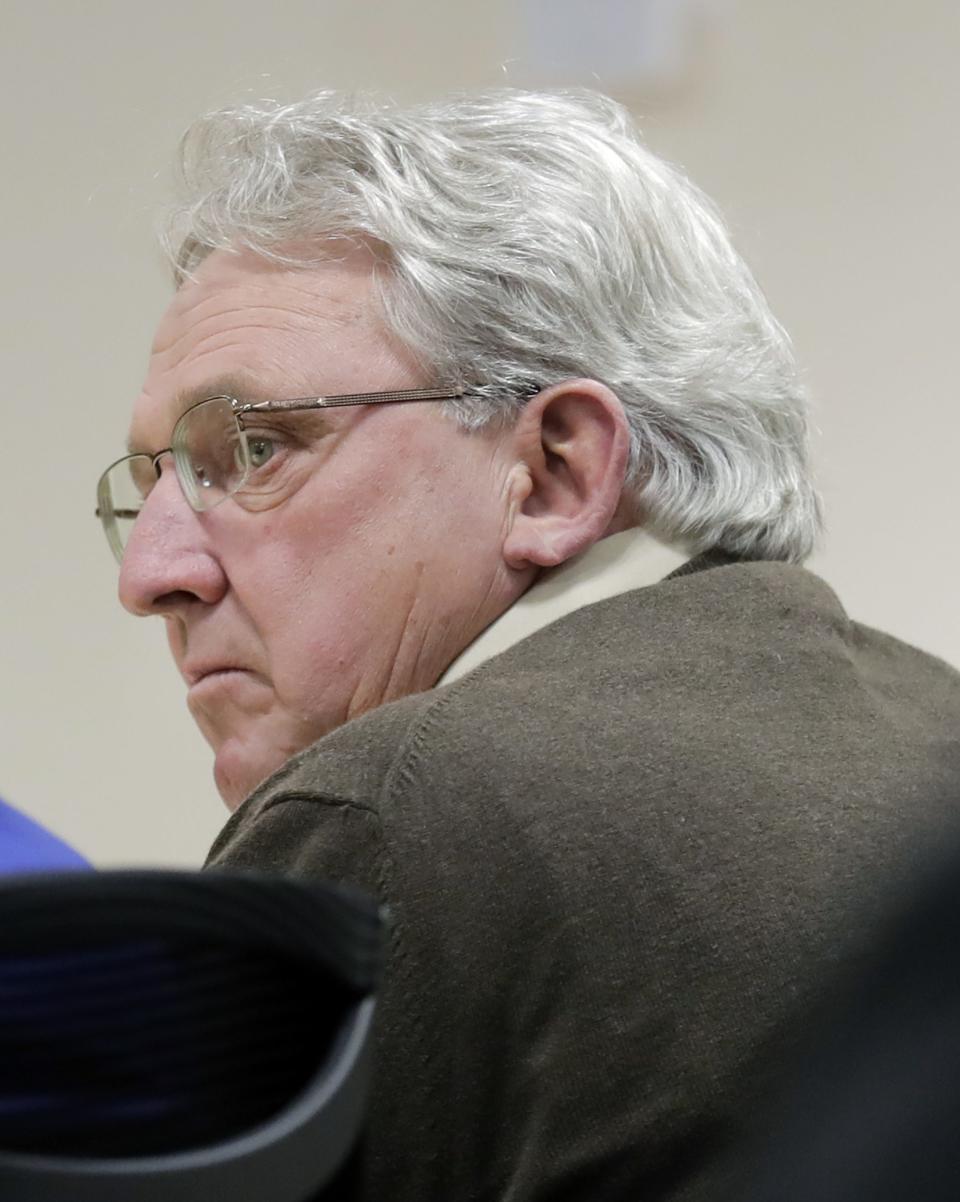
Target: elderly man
column 470, row 479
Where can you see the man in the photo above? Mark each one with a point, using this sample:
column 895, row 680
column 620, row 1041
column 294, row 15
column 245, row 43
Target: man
column 509, row 627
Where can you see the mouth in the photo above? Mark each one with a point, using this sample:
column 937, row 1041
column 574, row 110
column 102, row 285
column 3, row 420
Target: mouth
column 210, row 672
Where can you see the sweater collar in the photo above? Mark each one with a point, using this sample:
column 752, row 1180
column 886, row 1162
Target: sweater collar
column 629, row 560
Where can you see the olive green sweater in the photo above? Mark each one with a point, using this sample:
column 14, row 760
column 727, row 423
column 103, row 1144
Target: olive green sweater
column 620, row 858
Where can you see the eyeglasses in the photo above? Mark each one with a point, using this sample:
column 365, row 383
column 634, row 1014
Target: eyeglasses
column 215, row 456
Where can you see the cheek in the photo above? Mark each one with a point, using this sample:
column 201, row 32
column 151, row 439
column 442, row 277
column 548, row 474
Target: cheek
column 314, row 601
column 331, row 539
column 328, row 578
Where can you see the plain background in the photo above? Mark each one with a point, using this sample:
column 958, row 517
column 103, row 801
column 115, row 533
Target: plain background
column 825, row 130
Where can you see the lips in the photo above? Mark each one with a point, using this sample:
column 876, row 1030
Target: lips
column 194, row 673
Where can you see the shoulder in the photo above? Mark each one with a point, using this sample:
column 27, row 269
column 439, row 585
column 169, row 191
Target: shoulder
column 704, row 678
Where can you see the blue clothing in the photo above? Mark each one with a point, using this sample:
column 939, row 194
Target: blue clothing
column 25, row 846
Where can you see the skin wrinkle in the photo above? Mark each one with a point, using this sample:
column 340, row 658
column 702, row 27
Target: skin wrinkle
column 409, row 661
column 350, row 267
column 197, row 307
column 421, row 662
column 196, row 314
column 370, row 692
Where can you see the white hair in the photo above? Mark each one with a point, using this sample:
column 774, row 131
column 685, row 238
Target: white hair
column 530, row 238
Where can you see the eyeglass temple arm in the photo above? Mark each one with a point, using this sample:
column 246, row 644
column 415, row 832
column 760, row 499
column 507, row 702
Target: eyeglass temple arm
column 350, row 398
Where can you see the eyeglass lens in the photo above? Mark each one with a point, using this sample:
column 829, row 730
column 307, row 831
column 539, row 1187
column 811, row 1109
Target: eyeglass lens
column 210, row 453
column 120, row 495
column 211, row 459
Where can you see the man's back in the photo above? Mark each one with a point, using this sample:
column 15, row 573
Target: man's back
column 619, row 858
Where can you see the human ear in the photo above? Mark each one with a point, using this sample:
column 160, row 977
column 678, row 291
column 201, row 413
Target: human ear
column 571, row 445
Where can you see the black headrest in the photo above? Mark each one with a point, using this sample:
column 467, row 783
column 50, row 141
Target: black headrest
column 178, row 1036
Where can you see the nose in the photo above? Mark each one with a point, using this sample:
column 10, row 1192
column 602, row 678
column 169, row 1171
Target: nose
column 168, row 562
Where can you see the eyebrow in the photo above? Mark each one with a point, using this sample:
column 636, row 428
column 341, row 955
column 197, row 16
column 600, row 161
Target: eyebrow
column 237, row 385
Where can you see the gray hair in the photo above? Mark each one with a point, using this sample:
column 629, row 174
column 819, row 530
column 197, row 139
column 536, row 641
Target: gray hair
column 530, row 238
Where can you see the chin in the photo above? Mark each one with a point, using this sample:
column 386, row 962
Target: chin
column 232, row 793
column 246, row 757
column 236, row 776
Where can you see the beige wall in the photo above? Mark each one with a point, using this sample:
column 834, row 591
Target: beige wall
column 826, row 130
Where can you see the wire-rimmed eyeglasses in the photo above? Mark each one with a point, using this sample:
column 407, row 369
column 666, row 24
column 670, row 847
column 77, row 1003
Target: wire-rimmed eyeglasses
column 215, row 456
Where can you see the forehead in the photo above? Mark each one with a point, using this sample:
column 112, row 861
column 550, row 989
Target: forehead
column 248, row 326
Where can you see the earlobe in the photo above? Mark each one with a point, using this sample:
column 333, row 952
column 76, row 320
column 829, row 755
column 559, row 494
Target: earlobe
column 572, row 443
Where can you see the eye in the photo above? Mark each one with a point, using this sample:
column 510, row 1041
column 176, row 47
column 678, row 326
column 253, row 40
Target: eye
column 261, row 449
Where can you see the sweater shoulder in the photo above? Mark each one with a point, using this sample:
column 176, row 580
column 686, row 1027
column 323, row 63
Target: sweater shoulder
column 654, row 675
